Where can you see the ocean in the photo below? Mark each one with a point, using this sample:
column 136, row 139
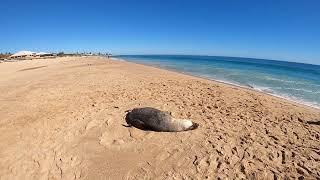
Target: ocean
column 293, row 81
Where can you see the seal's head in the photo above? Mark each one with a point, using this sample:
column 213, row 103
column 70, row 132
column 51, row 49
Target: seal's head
column 193, row 126
column 185, row 124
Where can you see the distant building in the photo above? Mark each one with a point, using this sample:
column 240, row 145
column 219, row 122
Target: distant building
column 23, row 55
column 44, row 54
column 30, row 55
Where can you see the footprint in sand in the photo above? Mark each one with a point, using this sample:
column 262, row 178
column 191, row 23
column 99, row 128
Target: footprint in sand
column 110, row 139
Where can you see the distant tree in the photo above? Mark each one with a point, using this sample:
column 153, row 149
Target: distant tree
column 60, row 54
column 4, row 55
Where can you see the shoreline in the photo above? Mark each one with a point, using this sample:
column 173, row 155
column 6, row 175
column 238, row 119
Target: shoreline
column 227, row 83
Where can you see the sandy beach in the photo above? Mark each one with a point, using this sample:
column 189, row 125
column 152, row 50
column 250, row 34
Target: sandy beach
column 63, row 119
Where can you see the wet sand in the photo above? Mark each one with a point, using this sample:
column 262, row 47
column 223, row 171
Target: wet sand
column 63, row 119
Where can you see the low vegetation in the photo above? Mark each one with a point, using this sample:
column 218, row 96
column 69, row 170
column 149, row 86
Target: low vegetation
column 4, row 55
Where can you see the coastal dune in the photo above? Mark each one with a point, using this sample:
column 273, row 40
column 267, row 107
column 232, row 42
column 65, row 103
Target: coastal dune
column 63, row 119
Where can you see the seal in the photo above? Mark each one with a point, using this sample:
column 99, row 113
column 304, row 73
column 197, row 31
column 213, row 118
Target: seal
column 148, row 118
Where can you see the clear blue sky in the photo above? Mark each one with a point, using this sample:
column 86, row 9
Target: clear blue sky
column 276, row 29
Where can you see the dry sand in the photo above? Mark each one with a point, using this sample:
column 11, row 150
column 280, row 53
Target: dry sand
column 63, row 119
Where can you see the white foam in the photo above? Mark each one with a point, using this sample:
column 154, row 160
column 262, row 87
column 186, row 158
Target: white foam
column 281, row 80
column 288, row 81
column 269, row 91
column 297, row 100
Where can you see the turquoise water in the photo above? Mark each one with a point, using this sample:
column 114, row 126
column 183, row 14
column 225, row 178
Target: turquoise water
column 295, row 81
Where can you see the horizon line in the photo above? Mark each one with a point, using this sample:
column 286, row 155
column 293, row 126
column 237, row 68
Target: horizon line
column 174, row 54
column 244, row 57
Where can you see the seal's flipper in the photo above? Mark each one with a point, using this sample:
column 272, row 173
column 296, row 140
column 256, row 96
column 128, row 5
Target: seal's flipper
column 139, row 124
column 126, row 125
